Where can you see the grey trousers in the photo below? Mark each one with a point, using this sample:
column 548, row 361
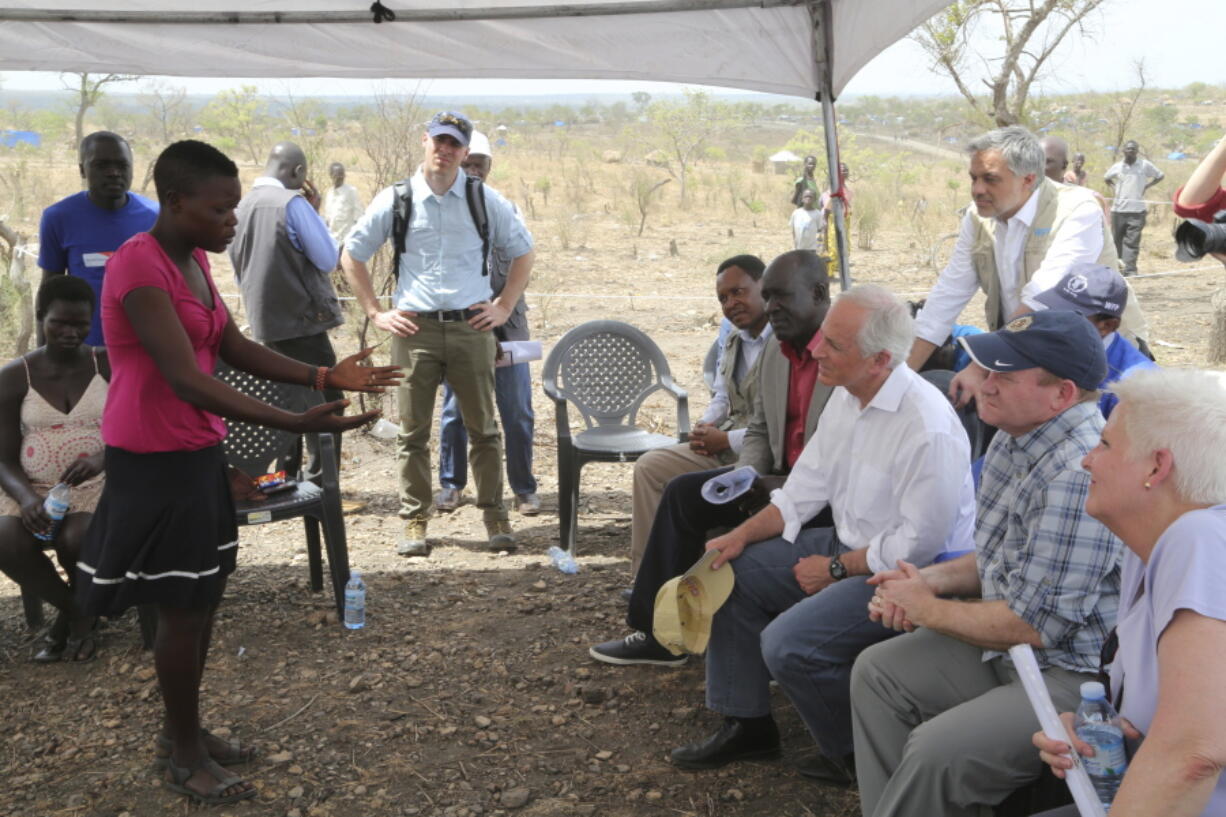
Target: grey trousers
column 770, row 628
column 940, row 731
column 1127, row 229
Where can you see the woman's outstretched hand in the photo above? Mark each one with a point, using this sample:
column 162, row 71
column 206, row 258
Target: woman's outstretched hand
column 351, row 375
column 324, row 418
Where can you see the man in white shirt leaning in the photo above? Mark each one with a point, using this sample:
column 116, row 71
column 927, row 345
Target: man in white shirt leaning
column 891, row 459
column 1021, row 237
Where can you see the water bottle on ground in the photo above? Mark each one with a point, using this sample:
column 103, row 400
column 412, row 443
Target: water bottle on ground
column 56, row 506
column 563, row 560
column 355, row 601
column 1098, row 724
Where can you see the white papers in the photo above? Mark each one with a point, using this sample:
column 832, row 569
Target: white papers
column 729, row 485
column 1040, row 701
column 518, row 351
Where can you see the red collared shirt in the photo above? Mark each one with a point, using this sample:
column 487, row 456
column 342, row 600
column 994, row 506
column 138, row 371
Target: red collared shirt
column 802, row 375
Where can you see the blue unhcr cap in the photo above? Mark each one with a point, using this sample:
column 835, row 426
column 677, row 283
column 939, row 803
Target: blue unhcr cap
column 451, row 124
column 1058, row 340
column 1091, row 289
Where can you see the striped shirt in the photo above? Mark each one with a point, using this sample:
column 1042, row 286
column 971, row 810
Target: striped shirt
column 1038, row 550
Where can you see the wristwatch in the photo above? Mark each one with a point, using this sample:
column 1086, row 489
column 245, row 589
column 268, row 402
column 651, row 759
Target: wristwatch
column 837, row 570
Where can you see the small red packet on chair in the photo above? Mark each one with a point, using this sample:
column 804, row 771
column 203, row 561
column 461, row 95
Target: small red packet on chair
column 271, row 483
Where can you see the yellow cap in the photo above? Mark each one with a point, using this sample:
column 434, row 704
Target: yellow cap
column 686, row 604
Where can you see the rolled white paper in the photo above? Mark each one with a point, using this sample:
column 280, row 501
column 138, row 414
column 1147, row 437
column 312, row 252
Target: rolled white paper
column 518, row 351
column 1040, row 701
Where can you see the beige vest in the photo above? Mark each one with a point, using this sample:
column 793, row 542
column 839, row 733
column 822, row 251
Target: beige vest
column 1055, row 203
column 740, row 395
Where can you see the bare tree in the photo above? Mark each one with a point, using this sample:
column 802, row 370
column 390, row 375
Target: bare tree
column 168, row 114
column 1122, row 108
column 1029, row 30
column 683, row 130
column 642, row 190
column 390, row 135
column 87, row 89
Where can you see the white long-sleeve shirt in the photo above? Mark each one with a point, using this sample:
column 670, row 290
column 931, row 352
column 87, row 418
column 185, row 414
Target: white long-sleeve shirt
column 1078, row 240
column 896, row 474
column 719, row 407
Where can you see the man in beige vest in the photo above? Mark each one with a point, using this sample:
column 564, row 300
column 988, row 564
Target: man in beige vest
column 1020, row 238
column 716, row 438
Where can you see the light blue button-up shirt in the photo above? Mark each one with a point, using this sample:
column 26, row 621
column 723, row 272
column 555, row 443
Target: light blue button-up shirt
column 441, row 265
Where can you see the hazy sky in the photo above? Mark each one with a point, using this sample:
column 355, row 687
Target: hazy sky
column 1178, row 39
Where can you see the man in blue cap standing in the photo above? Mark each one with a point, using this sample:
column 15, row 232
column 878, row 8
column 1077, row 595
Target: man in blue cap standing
column 443, row 314
column 941, row 722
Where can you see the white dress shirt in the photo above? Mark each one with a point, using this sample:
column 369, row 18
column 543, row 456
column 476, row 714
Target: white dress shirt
column 1078, row 240
column 718, row 409
column 896, row 474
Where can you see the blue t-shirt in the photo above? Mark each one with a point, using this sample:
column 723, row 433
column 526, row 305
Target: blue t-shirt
column 1123, row 358
column 961, row 358
column 79, row 236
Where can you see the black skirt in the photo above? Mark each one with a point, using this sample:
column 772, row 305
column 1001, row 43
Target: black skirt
column 164, row 533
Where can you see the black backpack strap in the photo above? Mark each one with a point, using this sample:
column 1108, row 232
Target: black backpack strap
column 402, row 214
column 474, row 192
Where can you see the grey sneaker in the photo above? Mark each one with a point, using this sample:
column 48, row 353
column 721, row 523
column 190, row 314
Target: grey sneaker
column 500, row 536
column 413, row 541
column 528, row 504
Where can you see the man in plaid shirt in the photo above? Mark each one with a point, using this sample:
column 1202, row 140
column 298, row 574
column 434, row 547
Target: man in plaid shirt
column 942, row 724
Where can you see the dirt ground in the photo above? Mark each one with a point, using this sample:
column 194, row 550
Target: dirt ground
column 470, row 691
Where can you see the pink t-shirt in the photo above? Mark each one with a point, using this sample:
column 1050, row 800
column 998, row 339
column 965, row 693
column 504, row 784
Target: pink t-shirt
column 143, row 414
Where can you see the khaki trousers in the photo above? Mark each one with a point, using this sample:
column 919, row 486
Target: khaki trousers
column 652, row 471
column 465, row 358
column 939, row 731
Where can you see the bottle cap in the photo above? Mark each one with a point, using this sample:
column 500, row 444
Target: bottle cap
column 1093, row 691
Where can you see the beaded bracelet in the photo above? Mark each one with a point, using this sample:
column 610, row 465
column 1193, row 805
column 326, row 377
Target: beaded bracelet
column 320, row 376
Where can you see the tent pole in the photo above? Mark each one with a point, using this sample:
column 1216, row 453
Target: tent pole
column 445, row 13
column 829, row 126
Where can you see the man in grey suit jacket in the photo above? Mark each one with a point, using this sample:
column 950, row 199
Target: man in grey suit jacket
column 788, row 403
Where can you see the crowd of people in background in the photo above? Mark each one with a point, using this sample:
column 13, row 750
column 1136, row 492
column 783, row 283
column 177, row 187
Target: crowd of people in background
column 881, row 561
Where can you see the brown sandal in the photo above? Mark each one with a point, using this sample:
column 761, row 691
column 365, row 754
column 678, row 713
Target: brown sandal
column 236, row 753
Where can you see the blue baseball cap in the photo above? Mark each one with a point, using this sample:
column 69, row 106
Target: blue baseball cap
column 452, row 124
column 1058, row 340
column 1091, row 289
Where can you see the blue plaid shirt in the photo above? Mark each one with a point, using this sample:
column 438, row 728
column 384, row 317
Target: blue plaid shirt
column 1038, row 550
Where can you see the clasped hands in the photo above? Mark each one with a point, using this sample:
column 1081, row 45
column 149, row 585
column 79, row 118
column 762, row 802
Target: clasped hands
column 902, row 599
column 708, row 439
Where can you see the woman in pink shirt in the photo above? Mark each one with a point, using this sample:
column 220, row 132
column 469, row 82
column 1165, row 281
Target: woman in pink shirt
column 164, row 532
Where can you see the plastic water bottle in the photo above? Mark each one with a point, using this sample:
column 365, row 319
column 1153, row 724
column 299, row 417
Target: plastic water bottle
column 1098, row 724
column 355, row 601
column 56, row 506
column 563, row 560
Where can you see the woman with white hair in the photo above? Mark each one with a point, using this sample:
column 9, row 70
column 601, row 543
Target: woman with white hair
column 1158, row 481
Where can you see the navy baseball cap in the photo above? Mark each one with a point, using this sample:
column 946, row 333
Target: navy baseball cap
column 452, row 124
column 1058, row 340
column 1091, row 289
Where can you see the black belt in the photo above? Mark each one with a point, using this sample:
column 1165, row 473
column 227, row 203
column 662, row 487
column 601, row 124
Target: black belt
column 449, row 315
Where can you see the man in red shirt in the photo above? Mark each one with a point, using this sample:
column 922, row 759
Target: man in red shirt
column 789, row 401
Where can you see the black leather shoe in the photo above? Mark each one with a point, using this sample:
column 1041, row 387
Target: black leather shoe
column 733, row 742
column 833, row 772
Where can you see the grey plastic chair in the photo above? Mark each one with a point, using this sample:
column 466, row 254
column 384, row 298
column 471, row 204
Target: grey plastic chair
column 607, row 369
column 708, row 366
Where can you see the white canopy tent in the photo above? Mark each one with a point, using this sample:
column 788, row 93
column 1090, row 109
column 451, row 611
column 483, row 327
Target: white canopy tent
column 807, row 48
